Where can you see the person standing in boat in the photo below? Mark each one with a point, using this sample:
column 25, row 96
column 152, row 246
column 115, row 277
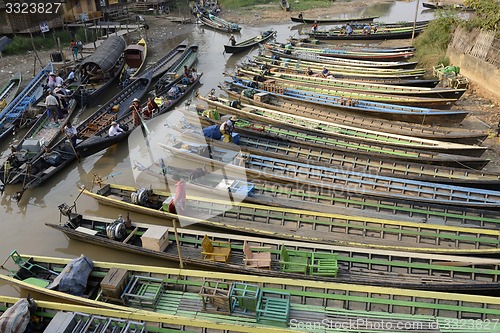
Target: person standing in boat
column 178, row 204
column 71, row 133
column 151, row 108
column 232, row 40
column 52, row 105
column 348, row 29
column 136, row 111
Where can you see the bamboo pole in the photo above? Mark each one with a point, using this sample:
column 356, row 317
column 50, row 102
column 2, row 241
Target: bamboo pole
column 415, row 22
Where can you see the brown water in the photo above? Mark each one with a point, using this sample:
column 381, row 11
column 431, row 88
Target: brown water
column 22, row 224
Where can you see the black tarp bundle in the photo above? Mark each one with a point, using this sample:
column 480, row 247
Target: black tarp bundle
column 105, row 56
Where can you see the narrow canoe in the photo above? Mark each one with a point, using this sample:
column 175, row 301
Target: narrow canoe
column 366, row 108
column 176, row 69
column 161, row 66
column 42, row 134
column 316, row 58
column 65, row 315
column 219, row 24
column 348, row 133
column 333, row 20
column 250, row 43
column 379, row 35
column 394, row 269
column 268, row 193
column 183, row 292
column 14, row 112
column 9, row 91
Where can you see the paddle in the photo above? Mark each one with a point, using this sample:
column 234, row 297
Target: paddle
column 73, row 149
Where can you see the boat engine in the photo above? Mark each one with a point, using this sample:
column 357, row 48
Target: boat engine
column 140, row 197
column 117, row 229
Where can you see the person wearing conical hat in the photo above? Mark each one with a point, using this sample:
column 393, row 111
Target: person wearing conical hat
column 136, row 111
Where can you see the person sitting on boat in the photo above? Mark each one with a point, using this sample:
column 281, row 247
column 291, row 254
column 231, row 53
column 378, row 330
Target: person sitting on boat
column 151, row 108
column 136, row 111
column 348, row 29
column 301, row 16
column 227, row 128
column 232, row 40
column 52, row 105
column 62, row 95
column 315, row 27
column 325, row 72
column 115, row 129
column 367, row 29
column 59, row 80
column 71, row 133
column 187, row 72
column 71, row 77
column 309, row 71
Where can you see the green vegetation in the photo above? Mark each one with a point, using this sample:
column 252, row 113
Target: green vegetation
column 487, row 15
column 299, row 6
column 22, row 43
column 432, row 43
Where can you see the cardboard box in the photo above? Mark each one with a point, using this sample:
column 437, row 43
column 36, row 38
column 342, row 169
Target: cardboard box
column 155, row 238
column 261, row 97
column 114, row 283
column 31, row 145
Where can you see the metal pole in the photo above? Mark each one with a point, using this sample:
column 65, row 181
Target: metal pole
column 415, row 22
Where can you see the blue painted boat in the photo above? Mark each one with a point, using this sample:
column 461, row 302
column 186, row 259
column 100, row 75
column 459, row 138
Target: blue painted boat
column 366, row 108
column 31, row 94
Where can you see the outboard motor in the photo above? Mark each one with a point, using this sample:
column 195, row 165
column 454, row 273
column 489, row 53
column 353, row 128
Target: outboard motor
column 117, row 229
column 140, row 197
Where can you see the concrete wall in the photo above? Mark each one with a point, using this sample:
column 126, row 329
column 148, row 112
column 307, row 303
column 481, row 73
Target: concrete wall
column 478, row 71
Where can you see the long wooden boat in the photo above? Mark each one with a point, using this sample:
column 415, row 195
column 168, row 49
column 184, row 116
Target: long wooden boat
column 366, row 108
column 100, row 69
column 135, row 57
column 349, row 54
column 443, row 5
column 187, row 58
column 333, row 20
column 190, row 294
column 354, row 265
column 41, row 135
column 348, row 133
column 333, row 83
column 219, row 24
column 16, row 109
column 161, row 66
column 303, row 109
column 378, row 35
column 319, row 59
column 9, row 91
column 251, row 42
column 356, row 183
column 151, row 201
column 101, row 140
column 62, row 153
column 65, row 316
column 285, row 5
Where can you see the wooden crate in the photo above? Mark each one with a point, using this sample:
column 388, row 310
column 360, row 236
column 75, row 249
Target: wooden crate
column 114, row 283
column 155, row 238
column 261, row 97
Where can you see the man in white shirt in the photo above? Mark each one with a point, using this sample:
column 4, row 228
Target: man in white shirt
column 71, row 133
column 52, row 105
column 114, row 129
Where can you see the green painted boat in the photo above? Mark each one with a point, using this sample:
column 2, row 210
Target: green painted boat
column 354, row 266
column 266, row 303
